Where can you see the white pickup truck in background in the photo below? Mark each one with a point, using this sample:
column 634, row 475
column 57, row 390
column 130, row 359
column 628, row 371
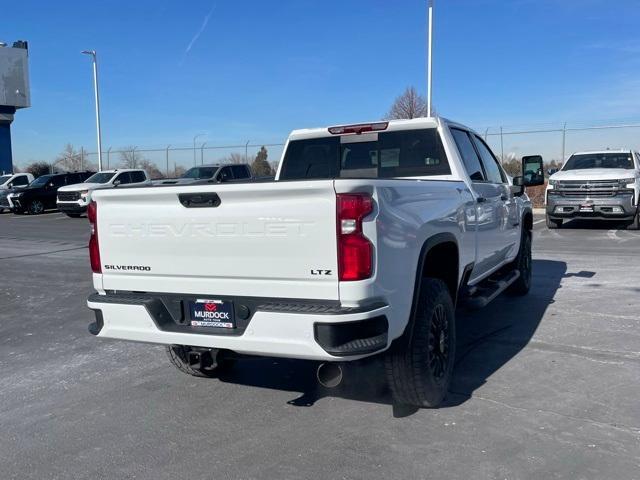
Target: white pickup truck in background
column 73, row 199
column 366, row 241
column 598, row 185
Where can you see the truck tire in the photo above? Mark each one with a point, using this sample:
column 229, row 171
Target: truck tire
column 419, row 364
column 553, row 223
column 522, row 263
column 209, row 367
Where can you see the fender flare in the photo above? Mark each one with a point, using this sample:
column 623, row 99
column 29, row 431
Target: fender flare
column 427, row 246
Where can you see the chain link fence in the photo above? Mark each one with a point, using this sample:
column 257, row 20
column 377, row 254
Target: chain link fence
column 171, row 161
column 555, row 142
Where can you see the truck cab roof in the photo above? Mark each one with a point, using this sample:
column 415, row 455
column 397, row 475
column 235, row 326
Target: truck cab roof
column 373, row 127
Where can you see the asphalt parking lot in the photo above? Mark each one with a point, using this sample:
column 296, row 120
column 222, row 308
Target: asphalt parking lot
column 545, row 386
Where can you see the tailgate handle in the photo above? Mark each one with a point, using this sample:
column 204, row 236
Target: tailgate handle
column 199, row 200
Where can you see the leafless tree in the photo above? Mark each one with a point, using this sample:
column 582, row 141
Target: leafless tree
column 408, row 105
column 38, row 168
column 130, row 158
column 178, row 171
column 234, row 158
column 71, row 160
column 151, row 168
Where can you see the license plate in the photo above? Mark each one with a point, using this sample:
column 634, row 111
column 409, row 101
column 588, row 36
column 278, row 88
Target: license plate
column 586, row 208
column 207, row 312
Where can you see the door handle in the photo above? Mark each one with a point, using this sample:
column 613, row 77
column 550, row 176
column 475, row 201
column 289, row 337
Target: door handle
column 199, row 200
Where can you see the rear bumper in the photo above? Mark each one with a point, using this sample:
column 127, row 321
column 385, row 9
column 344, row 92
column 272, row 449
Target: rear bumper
column 619, row 207
column 307, row 330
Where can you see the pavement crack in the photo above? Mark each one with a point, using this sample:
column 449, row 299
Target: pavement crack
column 43, row 253
column 585, row 352
column 633, row 430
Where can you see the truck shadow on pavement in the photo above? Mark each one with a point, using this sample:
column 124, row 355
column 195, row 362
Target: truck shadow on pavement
column 586, row 224
column 486, row 340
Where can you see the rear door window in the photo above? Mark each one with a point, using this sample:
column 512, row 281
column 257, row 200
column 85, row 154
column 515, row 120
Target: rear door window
column 469, row 156
column 124, row 178
column 137, row 177
column 225, row 174
column 20, row 180
column 489, row 161
column 239, row 172
column 74, row 178
column 59, row 180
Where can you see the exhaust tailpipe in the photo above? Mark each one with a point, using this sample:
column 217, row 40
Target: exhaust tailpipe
column 329, row 374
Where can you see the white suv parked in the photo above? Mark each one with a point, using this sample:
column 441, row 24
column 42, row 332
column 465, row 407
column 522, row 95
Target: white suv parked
column 73, row 199
column 602, row 185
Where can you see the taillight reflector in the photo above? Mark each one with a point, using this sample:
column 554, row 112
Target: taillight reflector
column 355, row 251
column 94, row 248
column 359, row 128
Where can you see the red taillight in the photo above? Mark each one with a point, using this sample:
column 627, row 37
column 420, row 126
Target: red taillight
column 354, row 249
column 358, row 129
column 94, row 248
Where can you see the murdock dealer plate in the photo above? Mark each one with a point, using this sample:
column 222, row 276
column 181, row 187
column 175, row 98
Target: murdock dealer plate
column 207, row 312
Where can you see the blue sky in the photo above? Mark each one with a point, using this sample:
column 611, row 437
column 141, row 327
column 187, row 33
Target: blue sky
column 240, row 70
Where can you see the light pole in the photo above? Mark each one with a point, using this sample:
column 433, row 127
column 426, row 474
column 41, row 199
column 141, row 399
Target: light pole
column 95, row 88
column 194, row 146
column 430, row 59
column 167, row 155
column 202, row 153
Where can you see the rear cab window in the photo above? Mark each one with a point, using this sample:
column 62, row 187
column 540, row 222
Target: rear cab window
column 404, row 153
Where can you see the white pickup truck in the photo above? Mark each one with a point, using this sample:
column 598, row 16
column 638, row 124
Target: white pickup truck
column 598, row 185
column 364, row 243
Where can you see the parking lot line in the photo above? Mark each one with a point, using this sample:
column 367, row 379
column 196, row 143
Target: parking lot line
column 538, row 221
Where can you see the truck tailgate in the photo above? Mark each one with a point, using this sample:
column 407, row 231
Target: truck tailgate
column 267, row 240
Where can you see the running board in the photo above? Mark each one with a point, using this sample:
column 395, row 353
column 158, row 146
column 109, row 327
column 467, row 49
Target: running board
column 490, row 289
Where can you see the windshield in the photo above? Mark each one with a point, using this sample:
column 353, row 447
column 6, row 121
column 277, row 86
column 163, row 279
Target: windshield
column 200, row 172
column 4, row 178
column 408, row 153
column 41, row 180
column 100, row 177
column 599, row 160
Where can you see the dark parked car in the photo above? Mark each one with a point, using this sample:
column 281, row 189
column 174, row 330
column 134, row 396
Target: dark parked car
column 40, row 195
column 214, row 172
